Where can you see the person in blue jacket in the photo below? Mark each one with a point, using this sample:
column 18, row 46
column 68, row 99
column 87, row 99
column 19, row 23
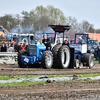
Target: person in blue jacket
column 98, row 52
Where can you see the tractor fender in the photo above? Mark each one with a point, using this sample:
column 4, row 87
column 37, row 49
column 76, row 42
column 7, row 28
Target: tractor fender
column 72, row 55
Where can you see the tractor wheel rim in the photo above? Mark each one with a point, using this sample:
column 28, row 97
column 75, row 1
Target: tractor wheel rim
column 49, row 60
column 65, row 57
column 91, row 62
column 77, row 63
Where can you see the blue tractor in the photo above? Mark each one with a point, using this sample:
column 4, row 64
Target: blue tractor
column 60, row 56
column 82, row 55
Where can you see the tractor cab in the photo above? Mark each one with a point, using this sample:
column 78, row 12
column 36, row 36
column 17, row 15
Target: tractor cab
column 93, row 43
column 82, row 54
column 93, row 47
column 84, row 38
column 80, row 43
column 60, row 29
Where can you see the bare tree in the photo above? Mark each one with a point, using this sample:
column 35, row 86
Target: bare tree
column 97, row 30
column 8, row 21
column 72, row 22
column 85, row 26
column 82, row 27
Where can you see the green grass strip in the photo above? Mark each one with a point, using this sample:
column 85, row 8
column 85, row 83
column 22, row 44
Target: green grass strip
column 96, row 62
column 21, row 83
column 50, row 76
column 33, row 83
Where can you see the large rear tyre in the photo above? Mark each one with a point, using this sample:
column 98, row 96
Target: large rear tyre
column 47, row 59
column 64, row 57
column 89, row 60
column 25, row 53
column 55, row 56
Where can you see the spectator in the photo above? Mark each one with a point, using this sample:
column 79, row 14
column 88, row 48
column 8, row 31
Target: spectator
column 27, row 46
column 46, row 42
column 84, row 38
column 8, row 44
column 3, row 48
column 70, row 41
column 66, row 43
column 23, row 47
column 19, row 47
column 98, row 53
column 13, row 43
column 67, row 39
column 16, row 47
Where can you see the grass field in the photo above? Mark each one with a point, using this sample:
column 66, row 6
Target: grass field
column 96, row 62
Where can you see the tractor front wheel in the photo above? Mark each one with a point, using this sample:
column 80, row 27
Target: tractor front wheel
column 47, row 59
column 25, row 53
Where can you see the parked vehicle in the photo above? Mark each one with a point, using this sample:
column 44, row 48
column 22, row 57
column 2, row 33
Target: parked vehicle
column 23, row 38
column 93, row 46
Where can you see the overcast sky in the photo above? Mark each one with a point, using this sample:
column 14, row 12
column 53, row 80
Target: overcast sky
column 88, row 10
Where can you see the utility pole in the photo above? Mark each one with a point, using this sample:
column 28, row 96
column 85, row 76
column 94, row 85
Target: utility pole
column 94, row 35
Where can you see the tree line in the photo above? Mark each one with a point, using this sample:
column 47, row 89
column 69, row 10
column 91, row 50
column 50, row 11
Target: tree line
column 40, row 17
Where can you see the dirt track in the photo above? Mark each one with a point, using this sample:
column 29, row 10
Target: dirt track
column 50, row 91
column 15, row 70
column 53, row 91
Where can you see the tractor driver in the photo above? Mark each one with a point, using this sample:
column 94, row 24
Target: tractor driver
column 66, row 43
column 81, row 41
column 46, row 42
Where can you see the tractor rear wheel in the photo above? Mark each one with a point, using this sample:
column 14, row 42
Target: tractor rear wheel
column 89, row 60
column 25, row 53
column 55, row 55
column 47, row 59
column 64, row 57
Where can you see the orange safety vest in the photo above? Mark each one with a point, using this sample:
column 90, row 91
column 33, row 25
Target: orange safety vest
column 13, row 44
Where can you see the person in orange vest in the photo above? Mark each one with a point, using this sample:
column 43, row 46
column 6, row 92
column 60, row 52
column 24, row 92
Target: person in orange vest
column 23, row 47
column 13, row 43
